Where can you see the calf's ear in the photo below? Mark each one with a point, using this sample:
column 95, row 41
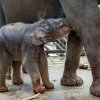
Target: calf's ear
column 38, row 38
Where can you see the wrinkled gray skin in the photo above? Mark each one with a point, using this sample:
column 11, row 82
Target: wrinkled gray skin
column 86, row 22
column 28, row 11
column 77, row 12
column 24, row 43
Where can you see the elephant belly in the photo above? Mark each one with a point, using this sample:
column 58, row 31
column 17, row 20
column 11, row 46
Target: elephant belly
column 29, row 10
column 21, row 10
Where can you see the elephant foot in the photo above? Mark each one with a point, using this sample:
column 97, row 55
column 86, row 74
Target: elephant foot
column 71, row 81
column 49, row 85
column 3, row 89
column 95, row 90
column 18, row 82
column 39, row 89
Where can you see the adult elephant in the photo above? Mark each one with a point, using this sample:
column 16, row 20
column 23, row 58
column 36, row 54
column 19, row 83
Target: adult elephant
column 84, row 17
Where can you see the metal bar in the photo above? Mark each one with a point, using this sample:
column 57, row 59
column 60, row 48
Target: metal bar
column 58, row 45
column 46, row 47
column 61, row 44
column 56, row 51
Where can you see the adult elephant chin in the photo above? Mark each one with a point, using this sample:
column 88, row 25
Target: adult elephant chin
column 84, row 17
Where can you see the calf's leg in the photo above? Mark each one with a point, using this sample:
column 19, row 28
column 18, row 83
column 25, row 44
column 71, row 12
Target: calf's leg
column 16, row 78
column 43, row 68
column 30, row 62
column 5, row 62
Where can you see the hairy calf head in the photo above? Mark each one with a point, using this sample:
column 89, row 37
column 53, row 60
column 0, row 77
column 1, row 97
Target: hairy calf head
column 51, row 30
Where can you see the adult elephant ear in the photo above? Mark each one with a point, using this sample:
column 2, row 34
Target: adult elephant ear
column 39, row 37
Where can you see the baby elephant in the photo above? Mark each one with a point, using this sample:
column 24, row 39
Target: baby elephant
column 24, row 44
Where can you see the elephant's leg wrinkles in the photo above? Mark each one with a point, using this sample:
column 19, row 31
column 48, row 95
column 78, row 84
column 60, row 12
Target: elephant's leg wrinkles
column 92, row 47
column 35, row 77
column 30, row 62
column 3, row 87
column 93, row 54
column 95, row 87
column 16, row 79
column 88, row 22
column 43, row 67
column 74, row 46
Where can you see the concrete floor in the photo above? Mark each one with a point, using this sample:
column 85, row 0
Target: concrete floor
column 56, row 67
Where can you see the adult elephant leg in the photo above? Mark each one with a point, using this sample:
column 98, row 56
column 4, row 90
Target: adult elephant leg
column 74, row 48
column 43, row 67
column 16, row 79
column 88, row 22
column 91, row 40
column 71, row 9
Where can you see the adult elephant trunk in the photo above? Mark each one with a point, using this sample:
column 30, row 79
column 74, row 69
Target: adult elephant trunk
column 84, row 16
